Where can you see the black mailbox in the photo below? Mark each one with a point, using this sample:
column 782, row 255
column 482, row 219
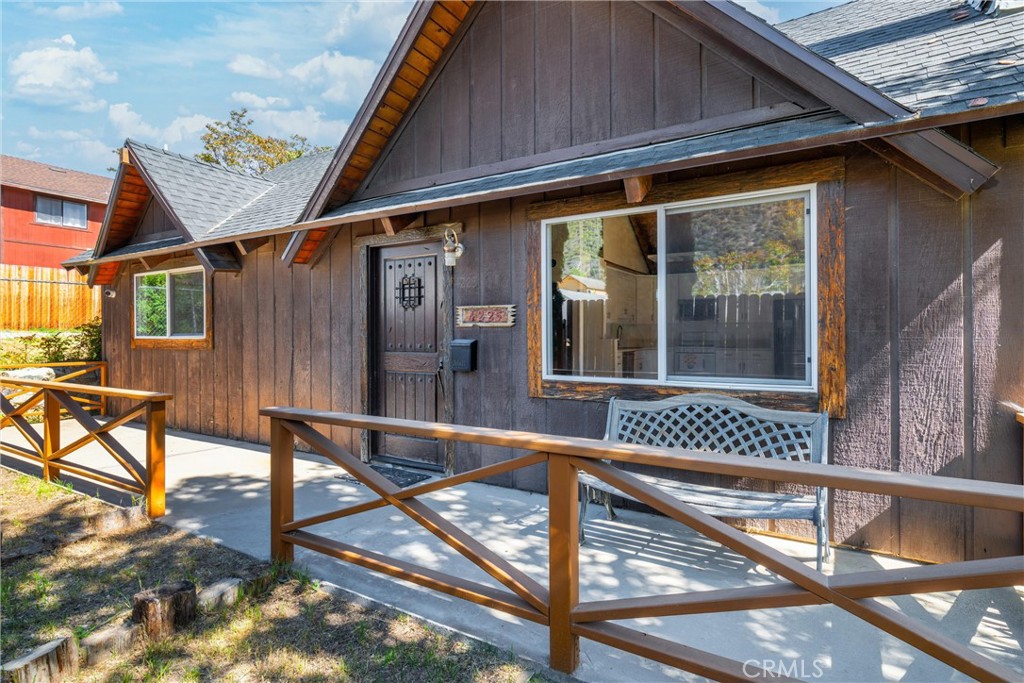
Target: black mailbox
column 463, row 355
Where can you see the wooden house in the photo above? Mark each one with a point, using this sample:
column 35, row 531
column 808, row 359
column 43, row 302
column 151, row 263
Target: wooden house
column 825, row 214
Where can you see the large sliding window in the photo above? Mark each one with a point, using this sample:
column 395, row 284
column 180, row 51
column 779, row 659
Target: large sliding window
column 170, row 304
column 718, row 293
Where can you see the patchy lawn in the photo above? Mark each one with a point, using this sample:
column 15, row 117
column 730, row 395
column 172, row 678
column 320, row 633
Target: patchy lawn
column 77, row 587
column 291, row 630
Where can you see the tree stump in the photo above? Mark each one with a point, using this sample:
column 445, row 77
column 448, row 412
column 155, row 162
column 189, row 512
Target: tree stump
column 164, row 609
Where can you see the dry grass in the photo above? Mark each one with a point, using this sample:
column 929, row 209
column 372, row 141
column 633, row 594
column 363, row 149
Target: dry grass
column 291, row 631
column 73, row 589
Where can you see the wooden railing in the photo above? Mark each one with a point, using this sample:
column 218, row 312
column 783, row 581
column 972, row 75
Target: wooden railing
column 79, row 369
column 558, row 606
column 46, row 448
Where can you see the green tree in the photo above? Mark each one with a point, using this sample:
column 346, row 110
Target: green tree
column 234, row 145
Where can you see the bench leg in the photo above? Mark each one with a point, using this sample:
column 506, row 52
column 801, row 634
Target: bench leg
column 608, row 505
column 824, row 548
column 584, row 499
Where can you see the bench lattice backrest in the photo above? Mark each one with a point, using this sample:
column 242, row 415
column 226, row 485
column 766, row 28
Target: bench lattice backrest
column 711, row 422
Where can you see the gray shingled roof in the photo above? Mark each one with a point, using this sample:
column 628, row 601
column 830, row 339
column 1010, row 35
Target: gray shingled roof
column 917, row 53
column 202, row 196
column 213, row 202
column 281, row 205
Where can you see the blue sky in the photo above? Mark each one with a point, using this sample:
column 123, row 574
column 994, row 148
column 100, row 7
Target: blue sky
column 78, row 78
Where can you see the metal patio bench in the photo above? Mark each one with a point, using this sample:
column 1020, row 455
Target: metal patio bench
column 721, row 424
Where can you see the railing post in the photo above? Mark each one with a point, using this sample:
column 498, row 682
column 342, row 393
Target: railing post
column 282, row 489
column 564, row 554
column 156, row 414
column 103, row 383
column 51, row 434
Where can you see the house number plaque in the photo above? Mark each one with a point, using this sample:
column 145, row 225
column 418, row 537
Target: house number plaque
column 485, row 316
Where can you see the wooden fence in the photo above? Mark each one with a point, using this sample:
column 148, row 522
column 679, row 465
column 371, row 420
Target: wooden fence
column 558, row 606
column 46, row 450
column 51, row 298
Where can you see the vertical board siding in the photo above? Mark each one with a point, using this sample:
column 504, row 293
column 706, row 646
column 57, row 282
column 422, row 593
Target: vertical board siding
column 866, row 520
column 931, row 411
column 528, row 78
column 485, row 106
column 552, row 69
column 591, row 72
column 517, row 67
column 632, row 69
column 997, row 280
column 34, row 298
column 289, row 336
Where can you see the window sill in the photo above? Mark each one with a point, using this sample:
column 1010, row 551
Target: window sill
column 602, row 391
column 58, row 225
column 172, row 342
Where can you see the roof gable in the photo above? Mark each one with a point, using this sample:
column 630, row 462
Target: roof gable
column 758, row 49
column 530, row 83
column 206, row 205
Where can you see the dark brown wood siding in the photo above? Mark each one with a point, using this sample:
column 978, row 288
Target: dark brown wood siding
column 935, row 315
column 533, row 78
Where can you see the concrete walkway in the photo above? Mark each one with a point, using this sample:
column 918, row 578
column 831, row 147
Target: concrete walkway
column 220, row 489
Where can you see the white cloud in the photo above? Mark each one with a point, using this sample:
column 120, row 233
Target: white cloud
column 373, row 23
column 769, row 14
column 129, row 124
column 248, row 65
column 90, row 106
column 253, row 101
column 84, row 10
column 347, row 78
column 307, row 122
column 80, row 144
column 59, row 74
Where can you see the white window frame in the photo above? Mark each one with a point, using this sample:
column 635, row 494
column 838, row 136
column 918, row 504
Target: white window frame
column 808, row 385
column 63, row 212
column 167, row 312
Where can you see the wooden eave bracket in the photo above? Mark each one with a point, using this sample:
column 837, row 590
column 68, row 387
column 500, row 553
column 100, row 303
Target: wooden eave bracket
column 218, row 258
column 151, row 262
column 637, row 187
column 396, row 224
column 246, row 247
column 937, row 160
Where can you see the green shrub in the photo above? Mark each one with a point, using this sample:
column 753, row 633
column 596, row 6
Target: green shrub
column 83, row 343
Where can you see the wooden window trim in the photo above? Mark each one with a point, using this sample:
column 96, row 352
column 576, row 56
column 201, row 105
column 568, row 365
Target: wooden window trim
column 181, row 343
column 828, row 174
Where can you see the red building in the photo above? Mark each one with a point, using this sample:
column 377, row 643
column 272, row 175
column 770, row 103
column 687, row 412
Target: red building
column 48, row 213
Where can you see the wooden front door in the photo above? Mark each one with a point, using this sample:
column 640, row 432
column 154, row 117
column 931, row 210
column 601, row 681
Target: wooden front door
column 407, row 353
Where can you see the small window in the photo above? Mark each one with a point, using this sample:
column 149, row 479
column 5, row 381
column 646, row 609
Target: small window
column 170, row 304
column 716, row 293
column 53, row 211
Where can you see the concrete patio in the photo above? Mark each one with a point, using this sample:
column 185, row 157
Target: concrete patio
column 220, row 489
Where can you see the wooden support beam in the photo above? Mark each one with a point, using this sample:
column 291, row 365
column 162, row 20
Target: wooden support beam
column 125, row 159
column 218, row 258
column 246, row 247
column 151, row 262
column 637, row 187
column 396, row 224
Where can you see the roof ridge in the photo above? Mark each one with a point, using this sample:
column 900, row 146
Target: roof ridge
column 243, row 207
column 193, row 160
